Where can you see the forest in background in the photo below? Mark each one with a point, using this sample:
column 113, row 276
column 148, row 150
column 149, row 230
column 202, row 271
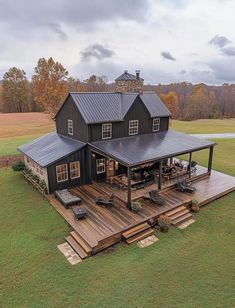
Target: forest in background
column 51, row 83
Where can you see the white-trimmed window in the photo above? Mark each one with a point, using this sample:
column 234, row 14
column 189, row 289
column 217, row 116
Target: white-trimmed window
column 70, row 127
column 100, row 165
column 107, row 131
column 75, row 170
column 133, row 127
column 61, row 173
column 156, row 124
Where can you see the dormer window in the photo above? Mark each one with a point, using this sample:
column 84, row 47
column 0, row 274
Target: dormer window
column 133, row 127
column 107, row 131
column 70, row 127
column 156, row 124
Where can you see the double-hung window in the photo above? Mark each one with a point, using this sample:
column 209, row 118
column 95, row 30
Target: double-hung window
column 75, row 170
column 133, row 127
column 156, row 124
column 61, row 173
column 107, row 131
column 70, row 127
column 100, row 165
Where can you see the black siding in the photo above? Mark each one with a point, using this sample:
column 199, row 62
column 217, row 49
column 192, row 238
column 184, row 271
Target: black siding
column 121, row 129
column 69, row 111
column 84, row 174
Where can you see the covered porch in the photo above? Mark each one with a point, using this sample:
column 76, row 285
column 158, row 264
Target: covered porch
column 133, row 166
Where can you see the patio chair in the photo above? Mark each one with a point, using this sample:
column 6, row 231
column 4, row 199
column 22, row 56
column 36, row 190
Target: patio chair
column 156, row 198
column 183, row 186
column 102, row 200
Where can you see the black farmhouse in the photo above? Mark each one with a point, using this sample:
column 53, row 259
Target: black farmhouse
column 102, row 135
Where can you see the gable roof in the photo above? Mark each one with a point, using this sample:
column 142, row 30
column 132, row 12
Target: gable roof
column 99, row 107
column 127, row 76
column 48, row 149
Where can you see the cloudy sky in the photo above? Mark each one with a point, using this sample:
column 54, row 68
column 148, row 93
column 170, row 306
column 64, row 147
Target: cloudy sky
column 168, row 40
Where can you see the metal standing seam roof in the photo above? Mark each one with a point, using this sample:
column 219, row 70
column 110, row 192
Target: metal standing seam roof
column 98, row 107
column 50, row 148
column 127, row 76
column 143, row 148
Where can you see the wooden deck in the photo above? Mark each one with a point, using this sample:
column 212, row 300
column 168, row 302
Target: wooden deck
column 104, row 226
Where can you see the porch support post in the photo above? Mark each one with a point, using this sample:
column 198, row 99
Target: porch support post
column 129, row 187
column 160, row 176
column 210, row 159
column 189, row 164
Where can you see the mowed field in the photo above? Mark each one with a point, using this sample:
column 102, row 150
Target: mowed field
column 19, row 128
column 205, row 126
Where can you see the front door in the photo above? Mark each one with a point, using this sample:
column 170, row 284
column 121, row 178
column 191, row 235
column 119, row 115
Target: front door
column 110, row 168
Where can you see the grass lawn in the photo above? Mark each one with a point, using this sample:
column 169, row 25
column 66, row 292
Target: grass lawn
column 194, row 267
column 205, row 126
column 223, row 159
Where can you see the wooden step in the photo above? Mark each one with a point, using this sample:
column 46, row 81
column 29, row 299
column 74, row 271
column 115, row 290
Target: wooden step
column 82, row 242
column 135, row 230
column 78, row 249
column 182, row 219
column 140, row 236
column 178, row 209
column 177, row 215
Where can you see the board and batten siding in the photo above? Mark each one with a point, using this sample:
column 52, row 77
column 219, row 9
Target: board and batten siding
column 80, row 156
column 121, row 129
column 69, row 111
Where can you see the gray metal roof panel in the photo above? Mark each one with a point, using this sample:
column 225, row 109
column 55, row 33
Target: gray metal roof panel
column 50, row 148
column 99, row 107
column 142, row 148
column 154, row 105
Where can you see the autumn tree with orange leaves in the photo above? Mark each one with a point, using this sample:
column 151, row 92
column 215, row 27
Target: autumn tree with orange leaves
column 172, row 102
column 49, row 84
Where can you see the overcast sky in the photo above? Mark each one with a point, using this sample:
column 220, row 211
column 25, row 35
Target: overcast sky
column 168, row 40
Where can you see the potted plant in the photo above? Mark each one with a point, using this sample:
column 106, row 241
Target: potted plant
column 135, row 206
column 195, row 206
column 164, row 223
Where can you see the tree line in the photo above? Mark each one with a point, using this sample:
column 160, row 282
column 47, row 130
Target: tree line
column 51, row 82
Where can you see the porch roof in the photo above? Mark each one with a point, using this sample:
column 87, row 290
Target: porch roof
column 136, row 150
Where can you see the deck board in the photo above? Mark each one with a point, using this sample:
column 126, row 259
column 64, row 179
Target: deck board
column 104, row 226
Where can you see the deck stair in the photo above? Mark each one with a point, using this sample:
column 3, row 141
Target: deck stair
column 179, row 215
column 79, row 244
column 82, row 242
column 137, row 233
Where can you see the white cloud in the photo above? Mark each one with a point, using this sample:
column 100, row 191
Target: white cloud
column 135, row 36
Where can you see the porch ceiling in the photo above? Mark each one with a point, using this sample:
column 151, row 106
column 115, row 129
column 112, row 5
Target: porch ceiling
column 136, row 150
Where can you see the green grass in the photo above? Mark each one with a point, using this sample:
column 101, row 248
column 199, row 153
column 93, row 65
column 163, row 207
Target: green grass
column 223, row 157
column 8, row 146
column 205, row 126
column 189, row 268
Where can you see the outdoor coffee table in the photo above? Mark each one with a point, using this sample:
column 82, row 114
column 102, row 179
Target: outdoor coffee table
column 79, row 212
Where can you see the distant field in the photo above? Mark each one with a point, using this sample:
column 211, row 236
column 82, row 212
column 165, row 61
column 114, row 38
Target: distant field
column 19, row 128
column 205, row 126
column 24, row 124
